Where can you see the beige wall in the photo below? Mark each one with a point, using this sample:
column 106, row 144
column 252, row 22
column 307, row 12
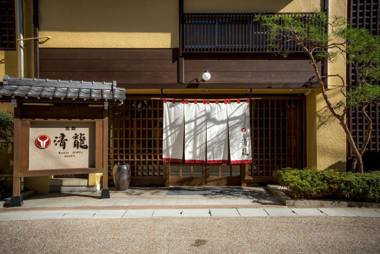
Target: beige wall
column 110, row 24
column 10, row 64
column 2, row 64
column 252, row 5
column 137, row 24
column 326, row 139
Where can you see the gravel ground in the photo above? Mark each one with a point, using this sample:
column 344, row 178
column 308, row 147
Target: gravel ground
column 193, row 235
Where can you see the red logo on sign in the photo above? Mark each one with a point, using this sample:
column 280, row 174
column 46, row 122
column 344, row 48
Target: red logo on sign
column 42, row 141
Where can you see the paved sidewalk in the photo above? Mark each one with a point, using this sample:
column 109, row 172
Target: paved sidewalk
column 178, row 213
column 183, row 197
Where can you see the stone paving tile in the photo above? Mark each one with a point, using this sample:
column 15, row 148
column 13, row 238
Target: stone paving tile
column 31, row 215
column 138, row 213
column 252, row 212
column 337, row 211
column 109, row 213
column 195, row 213
column 79, row 214
column 279, row 212
column 232, row 212
column 308, row 212
column 363, row 212
column 167, row 213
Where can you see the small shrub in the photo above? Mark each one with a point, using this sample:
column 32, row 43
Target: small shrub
column 309, row 183
column 6, row 124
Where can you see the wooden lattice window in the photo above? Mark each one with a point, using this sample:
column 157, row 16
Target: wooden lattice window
column 7, row 25
column 136, row 137
column 278, row 134
column 365, row 14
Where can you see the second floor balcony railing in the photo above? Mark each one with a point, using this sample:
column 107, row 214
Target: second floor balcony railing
column 234, row 33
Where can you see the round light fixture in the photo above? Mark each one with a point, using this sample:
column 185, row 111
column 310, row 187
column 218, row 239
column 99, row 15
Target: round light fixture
column 206, row 76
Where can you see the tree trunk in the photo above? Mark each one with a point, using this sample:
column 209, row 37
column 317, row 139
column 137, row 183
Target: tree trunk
column 368, row 135
column 339, row 117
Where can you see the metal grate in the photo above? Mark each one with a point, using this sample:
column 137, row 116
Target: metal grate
column 365, row 14
column 234, row 33
column 7, row 25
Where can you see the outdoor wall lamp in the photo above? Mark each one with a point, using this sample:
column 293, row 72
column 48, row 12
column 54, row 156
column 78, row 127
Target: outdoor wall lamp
column 206, row 76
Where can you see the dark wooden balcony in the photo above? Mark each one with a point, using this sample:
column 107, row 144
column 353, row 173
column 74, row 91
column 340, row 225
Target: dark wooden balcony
column 234, row 33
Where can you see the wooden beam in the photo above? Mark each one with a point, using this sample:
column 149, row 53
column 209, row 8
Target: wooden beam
column 180, row 60
column 36, row 26
column 105, row 190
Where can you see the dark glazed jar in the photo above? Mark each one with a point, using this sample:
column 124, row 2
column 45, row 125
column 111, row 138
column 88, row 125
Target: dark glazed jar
column 121, row 176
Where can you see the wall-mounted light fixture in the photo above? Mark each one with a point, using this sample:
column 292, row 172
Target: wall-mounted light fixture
column 206, row 76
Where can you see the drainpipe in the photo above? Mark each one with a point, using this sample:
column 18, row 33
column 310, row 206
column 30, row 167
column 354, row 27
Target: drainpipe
column 20, row 37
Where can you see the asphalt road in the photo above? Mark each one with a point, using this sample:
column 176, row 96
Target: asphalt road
column 193, row 235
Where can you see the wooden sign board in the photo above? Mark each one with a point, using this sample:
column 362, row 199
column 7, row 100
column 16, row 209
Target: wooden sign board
column 47, row 147
column 59, row 147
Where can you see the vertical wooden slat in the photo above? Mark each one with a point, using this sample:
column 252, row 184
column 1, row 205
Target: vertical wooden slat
column 105, row 150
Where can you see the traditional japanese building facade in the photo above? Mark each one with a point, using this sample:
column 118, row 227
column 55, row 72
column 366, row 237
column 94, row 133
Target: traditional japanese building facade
column 160, row 49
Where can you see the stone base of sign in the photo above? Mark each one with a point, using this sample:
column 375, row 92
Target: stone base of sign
column 15, row 201
column 105, row 194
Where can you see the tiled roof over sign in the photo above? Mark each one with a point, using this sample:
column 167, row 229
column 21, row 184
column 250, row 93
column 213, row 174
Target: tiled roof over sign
column 60, row 89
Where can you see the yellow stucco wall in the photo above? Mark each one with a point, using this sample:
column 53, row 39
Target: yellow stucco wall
column 9, row 63
column 109, row 24
column 252, row 5
column 2, row 64
column 137, row 24
column 326, row 139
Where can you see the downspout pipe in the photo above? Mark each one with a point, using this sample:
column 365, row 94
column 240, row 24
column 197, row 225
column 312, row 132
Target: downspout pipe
column 20, row 37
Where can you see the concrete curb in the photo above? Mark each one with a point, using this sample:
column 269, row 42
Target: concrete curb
column 278, row 192
column 189, row 213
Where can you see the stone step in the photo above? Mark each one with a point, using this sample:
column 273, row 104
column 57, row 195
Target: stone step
column 68, row 182
column 61, row 185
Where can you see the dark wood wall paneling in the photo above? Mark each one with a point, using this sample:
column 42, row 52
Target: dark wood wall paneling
column 126, row 66
column 150, row 68
column 76, row 111
column 261, row 72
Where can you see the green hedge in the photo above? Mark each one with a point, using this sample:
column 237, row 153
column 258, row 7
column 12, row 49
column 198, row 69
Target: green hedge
column 309, row 183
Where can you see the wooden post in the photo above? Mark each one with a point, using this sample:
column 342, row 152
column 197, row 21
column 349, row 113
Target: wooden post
column 244, row 174
column 167, row 174
column 205, row 174
column 180, row 58
column 105, row 190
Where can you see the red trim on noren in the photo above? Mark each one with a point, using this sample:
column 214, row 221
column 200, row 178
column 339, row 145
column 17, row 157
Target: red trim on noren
column 171, row 160
column 217, row 161
column 241, row 162
column 195, row 161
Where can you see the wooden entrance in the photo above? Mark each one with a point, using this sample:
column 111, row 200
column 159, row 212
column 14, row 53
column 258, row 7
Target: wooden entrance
column 278, row 137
